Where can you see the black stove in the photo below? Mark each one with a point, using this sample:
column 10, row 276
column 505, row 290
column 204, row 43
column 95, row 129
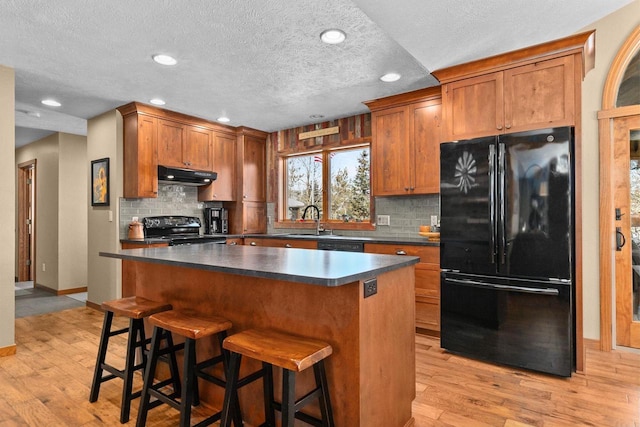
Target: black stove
column 178, row 230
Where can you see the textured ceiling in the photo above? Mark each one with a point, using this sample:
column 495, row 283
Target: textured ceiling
column 261, row 63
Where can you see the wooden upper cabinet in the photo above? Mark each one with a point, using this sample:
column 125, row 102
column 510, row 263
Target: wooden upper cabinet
column 530, row 97
column 406, row 143
column 140, row 155
column 197, row 152
column 540, row 95
column 249, row 212
column 532, row 88
column 153, row 136
column 426, row 121
column 473, row 107
column 224, row 164
column 254, row 188
column 184, row 146
column 390, row 154
column 171, row 137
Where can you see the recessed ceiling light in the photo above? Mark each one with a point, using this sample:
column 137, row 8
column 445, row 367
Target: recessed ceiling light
column 333, row 36
column 224, row 119
column 316, row 116
column 51, row 102
column 157, row 101
column 165, row 59
column 390, row 77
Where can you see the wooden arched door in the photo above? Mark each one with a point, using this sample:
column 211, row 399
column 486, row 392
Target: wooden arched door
column 619, row 124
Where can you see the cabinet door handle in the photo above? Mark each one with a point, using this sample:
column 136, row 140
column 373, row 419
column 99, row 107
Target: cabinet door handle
column 400, row 252
column 253, row 244
column 499, row 127
column 233, row 243
column 620, row 239
column 406, row 188
column 412, row 188
column 288, row 245
column 508, row 126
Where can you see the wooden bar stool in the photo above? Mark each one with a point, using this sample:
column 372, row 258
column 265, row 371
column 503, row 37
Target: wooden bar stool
column 293, row 354
column 192, row 327
column 136, row 309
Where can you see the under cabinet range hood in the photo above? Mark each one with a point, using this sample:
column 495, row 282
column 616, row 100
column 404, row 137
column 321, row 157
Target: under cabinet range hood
column 190, row 177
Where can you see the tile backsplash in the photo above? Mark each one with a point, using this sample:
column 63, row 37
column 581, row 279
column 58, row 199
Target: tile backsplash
column 406, row 213
column 171, row 200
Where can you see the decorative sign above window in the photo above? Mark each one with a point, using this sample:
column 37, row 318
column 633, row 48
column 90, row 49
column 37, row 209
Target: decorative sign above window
column 319, row 132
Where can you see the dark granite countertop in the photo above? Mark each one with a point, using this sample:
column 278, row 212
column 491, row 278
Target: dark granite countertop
column 420, row 241
column 325, row 268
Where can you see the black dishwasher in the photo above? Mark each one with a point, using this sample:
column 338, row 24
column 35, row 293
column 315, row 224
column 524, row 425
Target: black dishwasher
column 335, row 245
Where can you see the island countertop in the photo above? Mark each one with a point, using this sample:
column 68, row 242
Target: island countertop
column 325, row 268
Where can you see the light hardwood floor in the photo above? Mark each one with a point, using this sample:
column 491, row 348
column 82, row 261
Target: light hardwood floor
column 47, row 384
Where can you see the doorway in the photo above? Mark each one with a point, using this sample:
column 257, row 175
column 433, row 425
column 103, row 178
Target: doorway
column 26, row 221
column 619, row 124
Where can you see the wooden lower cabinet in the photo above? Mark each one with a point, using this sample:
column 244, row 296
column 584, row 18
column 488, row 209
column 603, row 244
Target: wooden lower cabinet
column 282, row 243
column 427, row 273
column 235, row 241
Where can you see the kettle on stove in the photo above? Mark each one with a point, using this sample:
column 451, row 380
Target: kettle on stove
column 135, row 231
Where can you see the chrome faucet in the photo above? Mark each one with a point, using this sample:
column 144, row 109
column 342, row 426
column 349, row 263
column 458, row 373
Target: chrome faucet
column 318, row 225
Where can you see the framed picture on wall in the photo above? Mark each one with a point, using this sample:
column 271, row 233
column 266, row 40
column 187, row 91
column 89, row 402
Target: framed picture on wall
column 100, row 182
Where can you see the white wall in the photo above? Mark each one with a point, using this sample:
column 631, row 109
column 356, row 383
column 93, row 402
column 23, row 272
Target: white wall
column 7, row 208
column 611, row 33
column 73, row 190
column 104, row 139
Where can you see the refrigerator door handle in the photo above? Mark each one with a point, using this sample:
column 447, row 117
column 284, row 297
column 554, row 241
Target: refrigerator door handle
column 497, row 287
column 502, row 229
column 492, row 202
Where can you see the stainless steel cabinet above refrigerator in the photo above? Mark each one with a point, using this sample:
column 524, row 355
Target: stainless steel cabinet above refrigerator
column 506, row 249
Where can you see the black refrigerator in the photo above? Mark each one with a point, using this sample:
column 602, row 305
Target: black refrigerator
column 507, row 249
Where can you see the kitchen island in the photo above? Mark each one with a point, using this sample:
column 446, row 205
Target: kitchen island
column 318, row 294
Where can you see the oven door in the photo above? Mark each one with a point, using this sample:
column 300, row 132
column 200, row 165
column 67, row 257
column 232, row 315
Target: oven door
column 522, row 323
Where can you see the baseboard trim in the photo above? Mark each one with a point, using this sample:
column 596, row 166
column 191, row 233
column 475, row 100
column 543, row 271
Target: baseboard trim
column 8, row 350
column 429, row 332
column 72, row 291
column 93, row 305
column 45, row 288
column 62, row 292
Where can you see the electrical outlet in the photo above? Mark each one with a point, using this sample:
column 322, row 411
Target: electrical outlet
column 44, row 267
column 370, row 287
column 434, row 220
column 383, row 220
column 110, row 216
column 269, row 220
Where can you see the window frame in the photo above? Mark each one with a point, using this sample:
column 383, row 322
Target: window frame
column 282, row 220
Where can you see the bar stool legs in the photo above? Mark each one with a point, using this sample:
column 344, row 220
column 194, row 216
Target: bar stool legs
column 293, row 354
column 135, row 309
column 192, row 328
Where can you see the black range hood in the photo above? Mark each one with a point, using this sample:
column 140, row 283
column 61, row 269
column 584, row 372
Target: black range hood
column 190, row 177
